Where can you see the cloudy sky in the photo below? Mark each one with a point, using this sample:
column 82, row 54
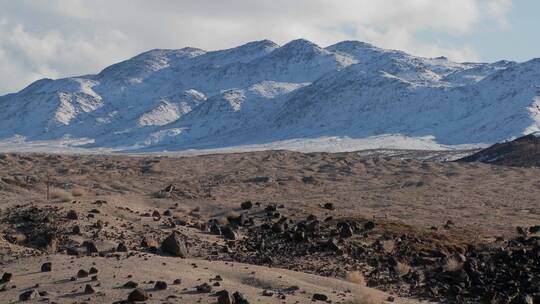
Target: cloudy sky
column 58, row 38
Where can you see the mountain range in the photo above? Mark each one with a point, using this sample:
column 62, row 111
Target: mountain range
column 350, row 95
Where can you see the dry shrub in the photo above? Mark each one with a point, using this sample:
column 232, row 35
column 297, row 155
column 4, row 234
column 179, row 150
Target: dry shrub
column 402, row 269
column 452, row 264
column 61, row 195
column 77, row 192
column 388, row 246
column 356, row 277
column 366, row 297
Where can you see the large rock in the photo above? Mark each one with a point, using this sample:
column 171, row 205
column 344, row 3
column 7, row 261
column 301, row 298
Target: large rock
column 175, row 245
column 46, row 267
column 6, row 277
column 246, row 205
column 72, row 215
column 223, row 297
column 215, row 229
column 28, row 295
column 239, row 298
column 88, row 247
column 229, row 233
column 160, row 285
column 320, row 297
column 138, row 294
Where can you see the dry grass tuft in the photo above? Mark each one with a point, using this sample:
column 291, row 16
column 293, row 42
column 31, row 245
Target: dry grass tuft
column 366, row 298
column 402, row 269
column 61, row 195
column 356, row 277
column 77, row 192
column 452, row 264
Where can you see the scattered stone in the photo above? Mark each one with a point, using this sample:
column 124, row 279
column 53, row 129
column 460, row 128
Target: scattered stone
column 6, row 277
column 329, row 206
column 46, row 267
column 130, row 284
column 229, row 233
column 369, row 225
column 76, row 229
column 88, row 289
column 223, row 297
column 346, row 231
column 309, row 180
column 82, row 273
column 214, row 229
column 534, row 229
column 175, row 245
column 246, row 205
column 72, row 215
column 320, row 297
column 239, row 298
column 278, row 228
column 102, row 247
column 267, row 293
column 138, row 294
column 28, row 295
column 121, row 248
column 204, row 288
column 160, row 285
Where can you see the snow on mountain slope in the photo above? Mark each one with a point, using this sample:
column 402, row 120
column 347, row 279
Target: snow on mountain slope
column 264, row 95
column 172, row 108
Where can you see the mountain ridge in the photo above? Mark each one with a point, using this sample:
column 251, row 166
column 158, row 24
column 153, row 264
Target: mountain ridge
column 260, row 93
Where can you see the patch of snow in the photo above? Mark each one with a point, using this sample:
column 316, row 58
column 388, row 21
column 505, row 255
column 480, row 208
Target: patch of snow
column 298, row 96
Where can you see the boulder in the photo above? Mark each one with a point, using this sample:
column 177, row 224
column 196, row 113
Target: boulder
column 72, row 215
column 204, row 288
column 246, row 205
column 29, row 295
column 130, row 284
column 88, row 289
column 6, row 277
column 175, row 245
column 229, row 233
column 320, row 297
column 160, row 285
column 46, row 267
column 329, row 206
column 223, row 297
column 239, row 298
column 138, row 294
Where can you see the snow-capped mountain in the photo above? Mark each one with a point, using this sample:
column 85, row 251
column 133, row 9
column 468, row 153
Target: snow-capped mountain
column 264, row 94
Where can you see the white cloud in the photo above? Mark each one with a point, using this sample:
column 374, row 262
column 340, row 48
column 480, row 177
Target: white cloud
column 67, row 37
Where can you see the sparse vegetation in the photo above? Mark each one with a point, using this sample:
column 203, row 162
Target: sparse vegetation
column 402, row 269
column 61, row 195
column 452, row 264
column 286, row 225
column 365, row 298
column 356, row 277
column 77, row 192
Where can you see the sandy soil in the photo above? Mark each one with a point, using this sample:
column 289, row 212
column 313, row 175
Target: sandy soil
column 483, row 201
column 490, row 199
column 251, row 280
